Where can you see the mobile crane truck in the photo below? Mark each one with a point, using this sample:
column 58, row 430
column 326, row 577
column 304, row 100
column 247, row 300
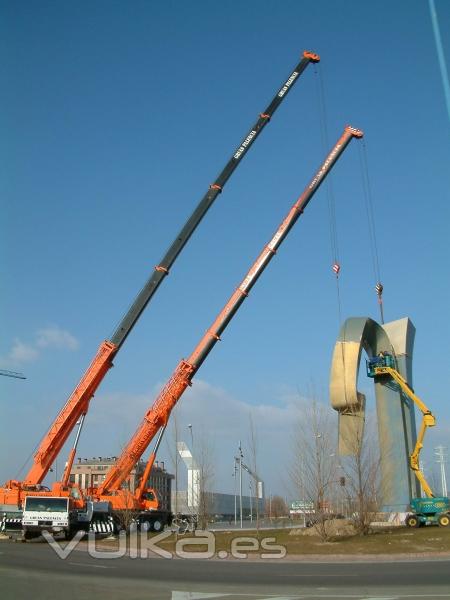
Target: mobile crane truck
column 55, row 514
column 431, row 510
column 13, row 493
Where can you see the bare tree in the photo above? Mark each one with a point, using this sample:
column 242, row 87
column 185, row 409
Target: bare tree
column 128, row 515
column 313, row 471
column 361, row 473
column 276, row 507
column 205, row 462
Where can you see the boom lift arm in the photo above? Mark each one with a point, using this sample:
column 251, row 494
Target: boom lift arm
column 159, row 413
column 385, row 365
column 78, row 402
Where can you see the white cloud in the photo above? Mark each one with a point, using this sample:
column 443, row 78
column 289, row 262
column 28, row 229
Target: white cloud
column 54, row 337
column 27, row 352
column 214, row 414
column 22, row 353
column 216, row 410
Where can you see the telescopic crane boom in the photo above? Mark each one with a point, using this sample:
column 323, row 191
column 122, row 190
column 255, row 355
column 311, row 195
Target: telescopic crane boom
column 158, row 415
column 78, row 402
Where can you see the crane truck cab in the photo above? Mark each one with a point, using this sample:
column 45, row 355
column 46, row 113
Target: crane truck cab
column 55, row 515
column 153, row 517
column 150, row 499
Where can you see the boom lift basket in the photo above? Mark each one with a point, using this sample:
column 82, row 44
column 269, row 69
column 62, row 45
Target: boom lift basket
column 380, row 361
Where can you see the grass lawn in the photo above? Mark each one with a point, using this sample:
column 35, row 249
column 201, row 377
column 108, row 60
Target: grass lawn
column 398, row 540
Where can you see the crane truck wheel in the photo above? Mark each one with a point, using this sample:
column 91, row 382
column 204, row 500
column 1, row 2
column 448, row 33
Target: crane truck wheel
column 70, row 534
column 443, row 520
column 31, row 535
column 157, row 525
column 412, row 521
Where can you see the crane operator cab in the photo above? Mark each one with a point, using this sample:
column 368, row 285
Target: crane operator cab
column 150, row 499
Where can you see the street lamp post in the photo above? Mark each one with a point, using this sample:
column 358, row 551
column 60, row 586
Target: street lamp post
column 241, row 456
column 235, row 495
column 192, row 437
column 441, row 453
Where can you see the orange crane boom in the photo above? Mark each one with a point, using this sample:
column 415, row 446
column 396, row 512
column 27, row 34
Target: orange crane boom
column 158, row 415
column 78, row 403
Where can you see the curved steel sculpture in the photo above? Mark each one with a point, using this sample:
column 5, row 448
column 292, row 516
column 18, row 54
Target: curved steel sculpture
column 395, row 414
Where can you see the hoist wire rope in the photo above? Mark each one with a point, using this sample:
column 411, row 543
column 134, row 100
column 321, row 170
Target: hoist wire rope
column 370, row 214
column 29, row 457
column 368, row 202
column 320, row 87
column 328, row 184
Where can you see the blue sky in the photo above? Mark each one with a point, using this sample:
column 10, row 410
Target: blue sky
column 116, row 116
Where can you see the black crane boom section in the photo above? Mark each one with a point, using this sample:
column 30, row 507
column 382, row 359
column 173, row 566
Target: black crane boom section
column 162, row 269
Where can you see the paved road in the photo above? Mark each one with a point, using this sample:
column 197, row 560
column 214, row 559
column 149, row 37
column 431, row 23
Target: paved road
column 34, row 571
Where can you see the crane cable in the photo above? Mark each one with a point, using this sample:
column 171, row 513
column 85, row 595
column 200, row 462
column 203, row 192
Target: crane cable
column 334, row 243
column 336, row 267
column 27, row 460
column 368, row 201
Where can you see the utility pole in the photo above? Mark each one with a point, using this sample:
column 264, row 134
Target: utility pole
column 424, row 471
column 235, row 494
column 441, row 453
column 241, row 456
column 259, row 492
